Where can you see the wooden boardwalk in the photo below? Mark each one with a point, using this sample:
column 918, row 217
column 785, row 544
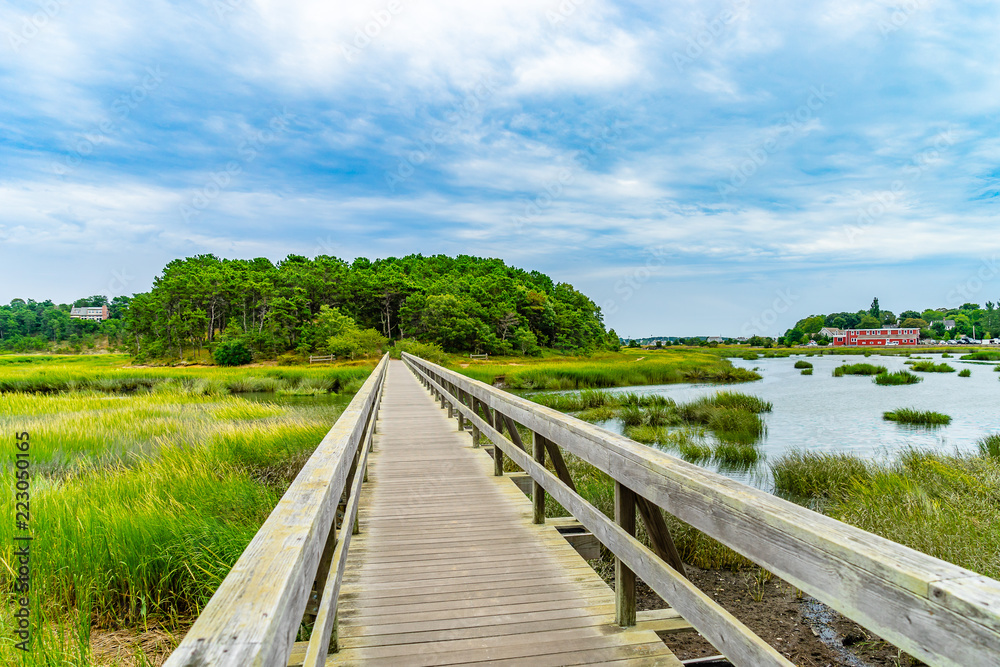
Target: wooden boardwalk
column 449, row 569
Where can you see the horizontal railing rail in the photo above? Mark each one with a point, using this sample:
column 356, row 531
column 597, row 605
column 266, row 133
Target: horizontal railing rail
column 936, row 611
column 256, row 612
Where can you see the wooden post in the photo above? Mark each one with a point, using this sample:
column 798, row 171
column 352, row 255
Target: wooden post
column 537, row 492
column 659, row 535
column 624, row 577
column 497, row 452
column 475, row 437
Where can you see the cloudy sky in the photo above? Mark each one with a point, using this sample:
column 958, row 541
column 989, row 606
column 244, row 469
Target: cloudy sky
column 695, row 167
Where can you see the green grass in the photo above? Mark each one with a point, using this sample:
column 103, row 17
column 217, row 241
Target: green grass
column 807, row 371
column 990, row 445
column 858, row 369
column 110, row 373
column 896, row 378
column 982, row 355
column 946, row 356
column 610, row 369
column 964, row 373
column 921, row 417
column 941, row 505
column 811, row 475
column 931, row 367
column 803, row 364
column 142, row 501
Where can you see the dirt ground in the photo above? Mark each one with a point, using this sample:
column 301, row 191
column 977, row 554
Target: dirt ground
column 805, row 631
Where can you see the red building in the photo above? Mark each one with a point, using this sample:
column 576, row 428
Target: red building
column 886, row 336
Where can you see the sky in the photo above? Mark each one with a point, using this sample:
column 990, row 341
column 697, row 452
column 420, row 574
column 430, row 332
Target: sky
column 696, row 168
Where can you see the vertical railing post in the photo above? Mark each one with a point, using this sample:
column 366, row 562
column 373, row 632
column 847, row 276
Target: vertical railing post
column 537, row 492
column 461, row 415
column 624, row 577
column 497, row 452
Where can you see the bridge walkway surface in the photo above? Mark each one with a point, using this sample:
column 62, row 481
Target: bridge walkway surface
column 449, row 569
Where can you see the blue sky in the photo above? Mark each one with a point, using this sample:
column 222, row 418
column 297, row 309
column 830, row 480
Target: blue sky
column 695, row 167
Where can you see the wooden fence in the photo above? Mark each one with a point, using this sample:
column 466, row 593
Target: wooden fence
column 934, row 610
column 255, row 614
column 314, row 359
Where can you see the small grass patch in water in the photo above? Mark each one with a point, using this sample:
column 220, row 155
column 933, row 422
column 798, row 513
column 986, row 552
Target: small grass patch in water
column 803, row 364
column 931, row 367
column 921, row 417
column 806, row 371
column 964, row 373
column 858, row 369
column 896, row 378
column 800, row 474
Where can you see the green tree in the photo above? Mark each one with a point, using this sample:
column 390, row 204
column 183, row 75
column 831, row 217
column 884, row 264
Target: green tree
column 874, row 310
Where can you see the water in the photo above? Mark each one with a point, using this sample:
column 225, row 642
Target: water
column 822, row 413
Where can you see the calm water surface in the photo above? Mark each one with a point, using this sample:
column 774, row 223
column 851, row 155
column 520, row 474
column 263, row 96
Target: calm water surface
column 823, row 413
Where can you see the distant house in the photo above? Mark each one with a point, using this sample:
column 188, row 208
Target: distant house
column 949, row 325
column 96, row 313
column 715, row 339
column 887, row 335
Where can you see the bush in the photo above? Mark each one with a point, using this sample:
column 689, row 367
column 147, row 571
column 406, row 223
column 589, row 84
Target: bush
column 232, row 353
column 426, row 351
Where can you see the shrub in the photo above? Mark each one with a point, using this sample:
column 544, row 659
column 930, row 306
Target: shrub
column 232, row 353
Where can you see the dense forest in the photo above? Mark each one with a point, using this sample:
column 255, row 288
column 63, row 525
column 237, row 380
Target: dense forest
column 969, row 319
column 325, row 305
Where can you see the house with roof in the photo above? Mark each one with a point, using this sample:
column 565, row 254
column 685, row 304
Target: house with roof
column 888, row 335
column 96, row 313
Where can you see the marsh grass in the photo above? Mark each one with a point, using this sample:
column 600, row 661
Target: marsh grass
column 858, row 369
column 964, row 373
column 920, row 417
column 896, row 378
column 990, row 445
column 931, row 367
column 800, row 475
column 111, row 374
column 981, row 355
column 944, row 506
column 143, row 501
column 608, row 370
column 803, row 364
column 807, row 371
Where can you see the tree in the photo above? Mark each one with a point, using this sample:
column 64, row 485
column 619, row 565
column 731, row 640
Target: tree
column 869, row 322
column 874, row 310
column 913, row 323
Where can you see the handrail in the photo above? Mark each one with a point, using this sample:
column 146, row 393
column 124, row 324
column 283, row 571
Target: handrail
column 255, row 614
column 940, row 613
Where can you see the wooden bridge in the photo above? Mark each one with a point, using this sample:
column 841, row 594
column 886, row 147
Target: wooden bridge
column 413, row 546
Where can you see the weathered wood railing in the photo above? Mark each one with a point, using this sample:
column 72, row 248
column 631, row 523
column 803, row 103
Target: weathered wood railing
column 934, row 610
column 255, row 614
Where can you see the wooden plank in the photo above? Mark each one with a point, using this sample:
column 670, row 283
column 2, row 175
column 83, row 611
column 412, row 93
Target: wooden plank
column 279, row 565
column 882, row 585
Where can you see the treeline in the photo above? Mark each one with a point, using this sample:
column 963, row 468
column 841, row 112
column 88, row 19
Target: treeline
column 969, row 319
column 326, row 305
column 28, row 325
